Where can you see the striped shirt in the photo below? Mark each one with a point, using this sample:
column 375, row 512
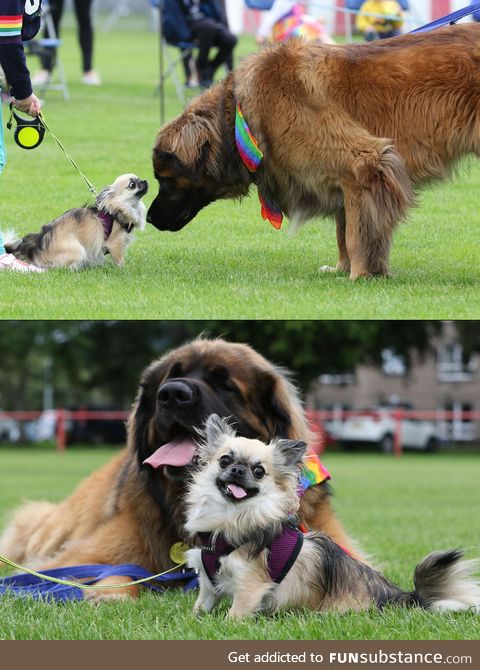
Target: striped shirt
column 19, row 21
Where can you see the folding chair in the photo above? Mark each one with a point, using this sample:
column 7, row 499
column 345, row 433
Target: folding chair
column 174, row 32
column 37, row 48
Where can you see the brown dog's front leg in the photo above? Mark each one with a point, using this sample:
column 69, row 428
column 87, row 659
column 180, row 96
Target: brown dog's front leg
column 343, row 257
column 355, row 242
column 343, row 264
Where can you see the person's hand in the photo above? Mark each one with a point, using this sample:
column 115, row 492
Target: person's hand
column 260, row 40
column 30, row 105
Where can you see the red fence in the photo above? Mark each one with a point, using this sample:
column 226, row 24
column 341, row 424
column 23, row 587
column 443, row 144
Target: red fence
column 443, row 419
column 61, row 416
column 319, row 421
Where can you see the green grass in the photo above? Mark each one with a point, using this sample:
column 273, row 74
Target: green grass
column 399, row 509
column 227, row 263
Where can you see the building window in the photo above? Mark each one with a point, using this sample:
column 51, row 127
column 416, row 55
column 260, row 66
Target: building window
column 455, row 423
column 393, row 365
column 454, row 365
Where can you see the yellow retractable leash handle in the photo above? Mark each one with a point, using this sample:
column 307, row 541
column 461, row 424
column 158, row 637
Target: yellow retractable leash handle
column 28, row 133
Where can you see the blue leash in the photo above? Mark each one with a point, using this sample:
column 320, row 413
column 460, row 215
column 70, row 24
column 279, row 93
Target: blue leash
column 448, row 19
column 25, row 584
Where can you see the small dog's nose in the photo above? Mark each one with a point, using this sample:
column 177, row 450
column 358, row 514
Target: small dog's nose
column 238, row 470
column 175, row 393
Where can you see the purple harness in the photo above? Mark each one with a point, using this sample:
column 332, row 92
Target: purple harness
column 283, row 551
column 107, row 223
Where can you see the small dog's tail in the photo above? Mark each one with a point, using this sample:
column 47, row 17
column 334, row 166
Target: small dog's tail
column 10, row 240
column 26, row 247
column 444, row 581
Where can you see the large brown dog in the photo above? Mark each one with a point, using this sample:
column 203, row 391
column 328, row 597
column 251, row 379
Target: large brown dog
column 131, row 512
column 345, row 130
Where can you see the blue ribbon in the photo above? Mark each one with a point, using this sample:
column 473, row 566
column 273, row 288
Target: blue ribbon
column 25, row 584
column 448, row 19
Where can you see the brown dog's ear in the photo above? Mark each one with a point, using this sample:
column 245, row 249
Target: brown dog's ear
column 274, row 401
column 139, row 422
column 186, row 145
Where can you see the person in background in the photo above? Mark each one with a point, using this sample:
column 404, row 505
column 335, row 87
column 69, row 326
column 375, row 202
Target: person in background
column 377, row 27
column 208, row 24
column 85, row 38
column 286, row 19
column 19, row 21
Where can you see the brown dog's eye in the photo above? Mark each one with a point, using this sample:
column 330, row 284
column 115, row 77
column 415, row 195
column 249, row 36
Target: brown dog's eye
column 258, row 472
column 225, row 461
column 132, row 184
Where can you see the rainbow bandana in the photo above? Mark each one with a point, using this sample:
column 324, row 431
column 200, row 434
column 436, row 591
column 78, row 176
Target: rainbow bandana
column 252, row 156
column 312, row 472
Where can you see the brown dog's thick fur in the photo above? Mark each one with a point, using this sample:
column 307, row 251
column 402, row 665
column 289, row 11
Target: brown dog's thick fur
column 346, row 130
column 128, row 512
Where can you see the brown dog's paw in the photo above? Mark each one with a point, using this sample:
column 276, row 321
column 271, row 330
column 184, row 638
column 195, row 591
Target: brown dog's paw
column 99, row 595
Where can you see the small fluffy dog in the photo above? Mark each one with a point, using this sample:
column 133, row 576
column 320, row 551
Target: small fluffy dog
column 82, row 236
column 241, row 505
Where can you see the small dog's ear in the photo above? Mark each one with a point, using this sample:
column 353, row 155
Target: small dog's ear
column 216, row 429
column 290, row 451
column 104, row 197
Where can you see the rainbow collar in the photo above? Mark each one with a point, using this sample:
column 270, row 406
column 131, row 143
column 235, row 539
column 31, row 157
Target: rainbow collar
column 252, row 156
column 312, row 472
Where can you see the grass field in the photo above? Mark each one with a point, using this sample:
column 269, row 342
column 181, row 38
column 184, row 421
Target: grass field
column 399, row 509
column 227, row 263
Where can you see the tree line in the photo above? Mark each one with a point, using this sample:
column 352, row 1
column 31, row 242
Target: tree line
column 100, row 362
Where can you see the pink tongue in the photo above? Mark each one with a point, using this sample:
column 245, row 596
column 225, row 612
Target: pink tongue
column 237, row 491
column 176, row 453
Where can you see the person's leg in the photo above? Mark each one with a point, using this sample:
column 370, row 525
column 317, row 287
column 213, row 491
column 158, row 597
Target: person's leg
column 8, row 261
column 226, row 42
column 203, row 31
column 391, row 33
column 370, row 35
column 85, row 31
column 3, row 154
column 47, row 59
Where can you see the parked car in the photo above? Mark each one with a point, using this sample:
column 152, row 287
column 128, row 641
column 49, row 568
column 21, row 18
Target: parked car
column 377, row 426
column 9, row 430
column 95, row 431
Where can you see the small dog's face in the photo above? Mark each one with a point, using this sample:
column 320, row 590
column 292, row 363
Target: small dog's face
column 122, row 199
column 243, row 468
column 128, row 188
column 240, row 466
column 243, row 482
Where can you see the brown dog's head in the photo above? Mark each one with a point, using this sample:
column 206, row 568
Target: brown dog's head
column 206, row 377
column 195, row 163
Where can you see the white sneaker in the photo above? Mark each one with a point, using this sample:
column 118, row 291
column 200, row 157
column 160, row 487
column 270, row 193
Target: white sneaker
column 41, row 78
column 91, row 78
column 10, row 262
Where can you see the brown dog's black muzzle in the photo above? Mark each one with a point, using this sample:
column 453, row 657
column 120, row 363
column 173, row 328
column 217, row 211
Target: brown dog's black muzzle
column 173, row 212
column 176, row 394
